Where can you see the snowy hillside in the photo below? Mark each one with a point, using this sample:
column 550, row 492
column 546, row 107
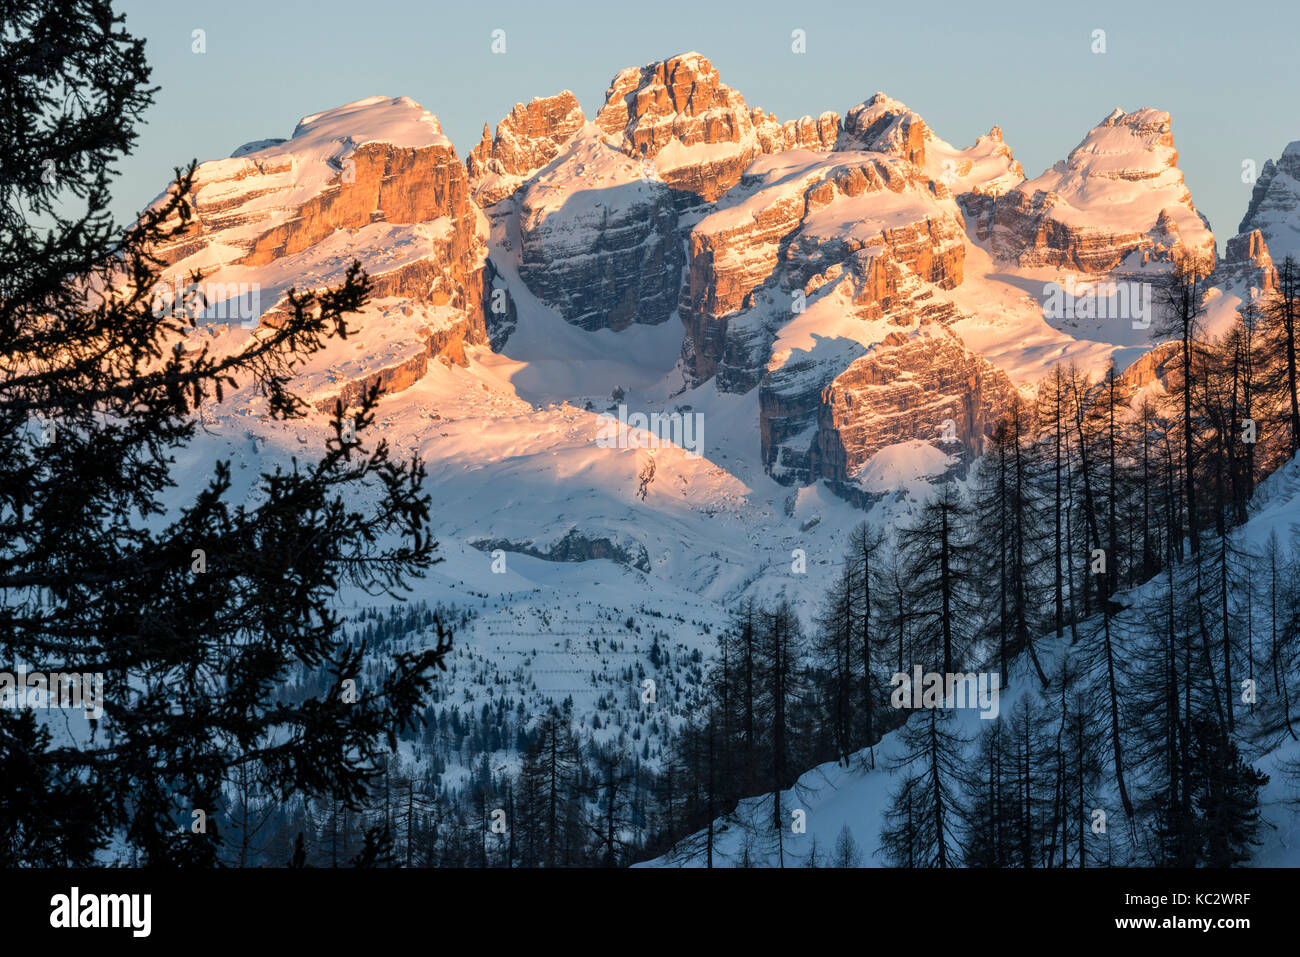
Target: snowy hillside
column 834, row 796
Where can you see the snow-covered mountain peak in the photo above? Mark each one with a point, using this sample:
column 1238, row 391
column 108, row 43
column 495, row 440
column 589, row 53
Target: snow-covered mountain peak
column 1118, row 193
column 886, row 125
column 397, row 120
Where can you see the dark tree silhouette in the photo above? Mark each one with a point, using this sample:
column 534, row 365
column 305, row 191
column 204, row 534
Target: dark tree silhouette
column 194, row 615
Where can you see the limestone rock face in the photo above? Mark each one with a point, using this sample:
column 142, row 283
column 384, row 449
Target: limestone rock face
column 1118, row 200
column 841, row 246
column 525, row 141
column 818, row 134
column 796, row 222
column 599, row 222
column 599, row 237
column 906, row 387
column 801, row 440
column 1247, row 261
column 575, row 546
column 884, row 125
column 1162, row 363
column 374, row 180
column 1275, row 204
column 680, row 114
column 812, row 262
column 599, row 225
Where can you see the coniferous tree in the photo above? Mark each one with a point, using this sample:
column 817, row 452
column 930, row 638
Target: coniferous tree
column 781, row 643
column 1281, row 314
column 923, row 821
column 1053, row 412
column 940, row 567
column 614, row 782
column 834, row 644
column 550, row 779
column 1104, row 658
column 1227, row 797
column 1082, row 749
column 846, row 852
column 1180, row 315
column 194, row 615
column 1007, row 540
column 866, row 547
column 988, row 812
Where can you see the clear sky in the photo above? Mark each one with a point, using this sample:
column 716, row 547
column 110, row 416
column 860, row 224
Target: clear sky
column 1229, row 73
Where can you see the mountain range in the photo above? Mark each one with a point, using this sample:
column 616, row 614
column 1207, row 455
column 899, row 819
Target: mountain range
column 847, row 302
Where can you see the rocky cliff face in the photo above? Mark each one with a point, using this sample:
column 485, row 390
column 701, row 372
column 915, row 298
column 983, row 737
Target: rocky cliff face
column 817, row 257
column 374, row 180
column 525, row 141
column 600, row 225
column 806, row 432
column 1248, row 263
column 806, row 133
column 1118, row 199
column 809, row 264
column 680, row 114
column 923, row 385
column 795, row 223
column 882, row 124
column 1275, row 204
column 599, row 237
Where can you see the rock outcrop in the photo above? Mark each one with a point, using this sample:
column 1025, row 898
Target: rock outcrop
column 922, row 385
column 819, row 279
column 600, row 224
column 575, row 546
column 818, row 134
column 677, row 112
column 525, row 141
column 1274, row 207
column 796, row 222
column 1248, row 263
column 884, row 125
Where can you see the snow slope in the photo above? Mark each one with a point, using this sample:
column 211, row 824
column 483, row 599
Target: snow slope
column 833, row 796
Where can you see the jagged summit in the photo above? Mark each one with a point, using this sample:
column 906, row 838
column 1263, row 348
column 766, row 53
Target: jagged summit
column 1118, row 193
column 679, row 113
column 886, row 125
column 525, row 141
column 1275, row 204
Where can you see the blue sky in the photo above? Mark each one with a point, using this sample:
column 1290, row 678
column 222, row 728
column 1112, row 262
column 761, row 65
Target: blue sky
column 1228, row 73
